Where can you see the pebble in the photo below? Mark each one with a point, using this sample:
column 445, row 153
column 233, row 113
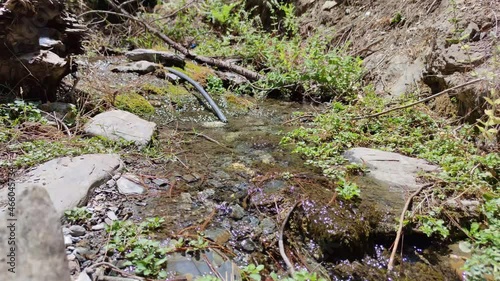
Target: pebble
column 77, row 230
column 126, row 186
column 117, row 176
column 237, row 212
column 268, row 226
column 83, row 277
column 71, row 257
column 189, row 178
column 248, row 245
column 108, row 221
column 186, row 198
column 98, row 227
column 111, row 215
column 111, row 183
column 67, row 240
column 160, row 182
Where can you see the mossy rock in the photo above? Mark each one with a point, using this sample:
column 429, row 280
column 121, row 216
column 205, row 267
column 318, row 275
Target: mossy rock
column 134, row 103
column 197, row 72
column 238, row 104
column 151, row 89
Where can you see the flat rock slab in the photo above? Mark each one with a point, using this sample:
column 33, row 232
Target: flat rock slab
column 119, row 124
column 165, row 58
column 39, row 245
column 128, row 184
column 395, row 170
column 69, row 179
column 141, row 67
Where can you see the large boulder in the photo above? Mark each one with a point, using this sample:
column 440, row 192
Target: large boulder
column 32, row 244
column 68, row 180
column 119, row 124
column 395, row 170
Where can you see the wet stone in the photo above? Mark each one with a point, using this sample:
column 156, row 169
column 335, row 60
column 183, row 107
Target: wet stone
column 127, row 186
column 248, row 245
column 237, row 212
column 111, row 215
column 268, row 226
column 218, row 235
column 98, row 227
column 77, row 230
column 160, row 182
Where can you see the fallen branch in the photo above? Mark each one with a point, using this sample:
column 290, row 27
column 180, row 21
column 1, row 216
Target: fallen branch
column 251, row 75
column 390, row 265
column 419, row 101
column 281, row 245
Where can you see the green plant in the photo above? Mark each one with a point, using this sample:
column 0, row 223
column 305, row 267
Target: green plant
column 302, row 275
column 251, row 272
column 77, row 215
column 19, row 112
column 490, row 127
column 397, row 19
column 215, row 86
column 485, row 248
column 146, row 256
column 347, row 190
column 198, row 244
column 430, row 225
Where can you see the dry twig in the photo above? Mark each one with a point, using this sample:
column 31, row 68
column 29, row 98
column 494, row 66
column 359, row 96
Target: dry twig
column 281, row 245
column 390, row 265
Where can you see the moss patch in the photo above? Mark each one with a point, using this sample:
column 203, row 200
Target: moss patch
column 238, row 104
column 134, row 103
column 197, row 72
column 151, row 89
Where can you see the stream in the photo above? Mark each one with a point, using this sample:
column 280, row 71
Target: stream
column 234, row 184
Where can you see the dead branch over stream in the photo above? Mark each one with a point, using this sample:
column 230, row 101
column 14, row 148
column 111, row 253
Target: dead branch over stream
column 249, row 74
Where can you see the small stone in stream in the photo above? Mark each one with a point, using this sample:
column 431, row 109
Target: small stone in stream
column 218, row 235
column 189, row 178
column 73, row 266
column 205, row 194
column 111, row 215
column 83, row 277
column 213, row 124
column 237, row 212
column 186, row 198
column 268, row 226
column 108, row 221
column 160, row 182
column 67, row 240
column 77, row 230
column 127, row 187
column 98, row 227
column 248, row 245
column 65, row 231
column 141, row 67
column 111, row 183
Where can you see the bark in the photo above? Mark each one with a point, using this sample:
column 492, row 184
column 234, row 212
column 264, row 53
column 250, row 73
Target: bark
column 37, row 38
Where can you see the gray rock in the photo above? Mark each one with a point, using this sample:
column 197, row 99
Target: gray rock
column 68, row 180
column 237, row 212
column 141, row 67
column 98, row 227
column 67, row 240
column 111, row 215
column 230, row 78
column 165, row 58
column 83, row 277
column 268, row 226
column 160, row 182
column 248, row 245
column 186, row 266
column 456, row 59
column 126, row 185
column 329, row 5
column 213, row 124
column 111, row 183
column 119, row 124
column 39, row 246
column 396, row 170
column 218, row 235
column 77, row 230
